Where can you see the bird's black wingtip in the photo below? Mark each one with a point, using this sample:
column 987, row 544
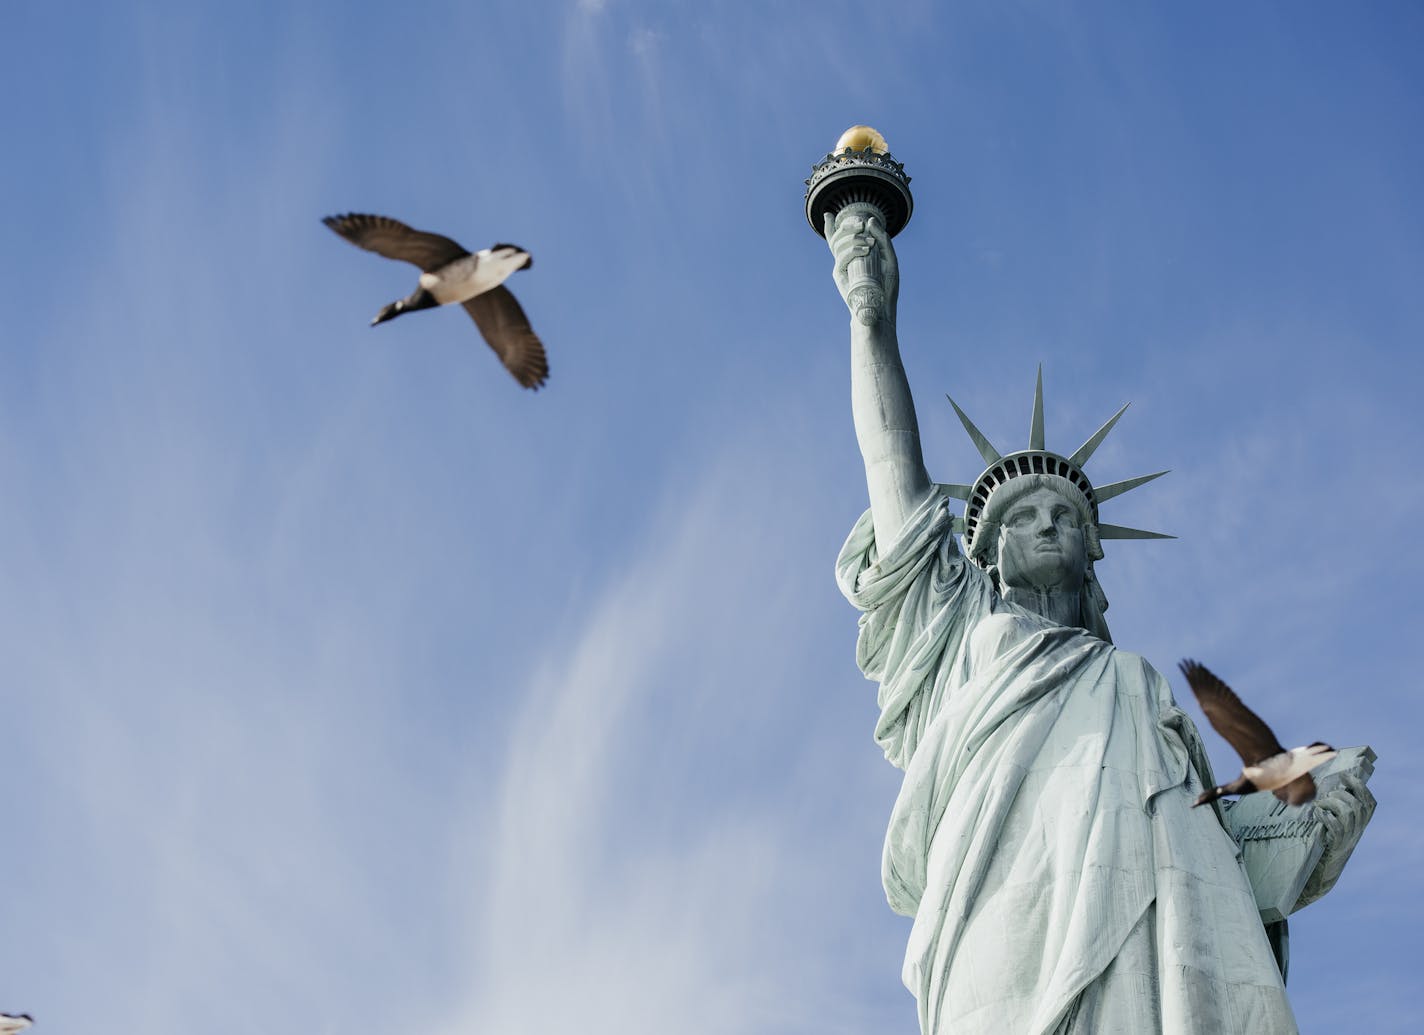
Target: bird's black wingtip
column 342, row 222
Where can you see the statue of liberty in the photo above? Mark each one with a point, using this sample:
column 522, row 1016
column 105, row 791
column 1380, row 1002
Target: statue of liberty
column 1044, row 840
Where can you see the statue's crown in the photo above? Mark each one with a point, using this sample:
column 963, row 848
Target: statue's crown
column 1066, row 474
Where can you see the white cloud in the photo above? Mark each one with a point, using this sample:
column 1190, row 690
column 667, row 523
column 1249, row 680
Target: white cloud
column 601, row 913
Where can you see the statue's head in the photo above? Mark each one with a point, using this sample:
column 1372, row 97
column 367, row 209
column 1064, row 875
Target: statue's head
column 1031, row 519
column 1007, row 506
column 1039, row 535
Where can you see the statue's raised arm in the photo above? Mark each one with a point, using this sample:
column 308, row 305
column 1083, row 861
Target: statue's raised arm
column 885, row 423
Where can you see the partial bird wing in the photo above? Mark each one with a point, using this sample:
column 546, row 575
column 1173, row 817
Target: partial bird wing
column 506, row 329
column 395, row 240
column 1298, row 791
column 10, row 1023
column 1242, row 728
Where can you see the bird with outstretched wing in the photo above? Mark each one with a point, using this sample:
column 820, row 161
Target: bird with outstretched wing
column 1268, row 765
column 449, row 272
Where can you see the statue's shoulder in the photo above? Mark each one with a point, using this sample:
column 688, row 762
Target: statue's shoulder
column 1129, row 662
column 1135, row 674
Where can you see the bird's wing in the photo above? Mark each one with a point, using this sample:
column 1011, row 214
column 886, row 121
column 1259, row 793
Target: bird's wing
column 1242, row 728
column 506, row 328
column 10, row 1023
column 395, row 240
column 1298, row 791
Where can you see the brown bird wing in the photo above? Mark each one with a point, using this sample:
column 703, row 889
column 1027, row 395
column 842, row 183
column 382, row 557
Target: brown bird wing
column 1242, row 728
column 1298, row 791
column 395, row 240
column 506, row 329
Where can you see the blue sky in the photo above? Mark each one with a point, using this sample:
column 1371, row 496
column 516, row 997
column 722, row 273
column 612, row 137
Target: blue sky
column 349, row 687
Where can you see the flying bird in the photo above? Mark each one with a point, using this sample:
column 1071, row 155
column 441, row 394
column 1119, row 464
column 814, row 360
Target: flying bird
column 10, row 1023
column 452, row 273
column 1269, row 767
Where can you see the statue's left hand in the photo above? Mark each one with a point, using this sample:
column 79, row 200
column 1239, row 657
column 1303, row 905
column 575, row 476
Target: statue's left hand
column 1343, row 814
column 853, row 234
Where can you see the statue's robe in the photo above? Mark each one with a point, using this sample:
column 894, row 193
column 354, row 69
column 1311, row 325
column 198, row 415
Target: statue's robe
column 1044, row 840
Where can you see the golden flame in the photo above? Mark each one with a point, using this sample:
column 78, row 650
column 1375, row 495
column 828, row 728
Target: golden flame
column 858, row 138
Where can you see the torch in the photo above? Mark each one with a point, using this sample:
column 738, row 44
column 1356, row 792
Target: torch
column 862, row 177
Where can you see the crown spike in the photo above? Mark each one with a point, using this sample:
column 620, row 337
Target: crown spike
column 1122, row 532
column 1035, row 431
column 990, row 455
column 955, row 490
column 1107, row 492
column 1090, row 447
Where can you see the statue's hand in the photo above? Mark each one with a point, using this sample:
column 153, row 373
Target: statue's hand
column 866, row 270
column 1343, row 814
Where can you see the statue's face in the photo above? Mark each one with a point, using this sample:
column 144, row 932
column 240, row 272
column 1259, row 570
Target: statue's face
column 1041, row 543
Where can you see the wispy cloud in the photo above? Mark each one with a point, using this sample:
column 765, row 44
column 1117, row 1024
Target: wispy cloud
column 623, row 896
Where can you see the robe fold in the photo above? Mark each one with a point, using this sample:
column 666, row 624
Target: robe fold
column 1043, row 839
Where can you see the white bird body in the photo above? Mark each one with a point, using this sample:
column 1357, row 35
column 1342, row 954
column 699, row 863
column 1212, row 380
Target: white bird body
column 1279, row 770
column 472, row 275
column 12, row 1023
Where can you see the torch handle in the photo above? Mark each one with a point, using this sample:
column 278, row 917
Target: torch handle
column 865, row 283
